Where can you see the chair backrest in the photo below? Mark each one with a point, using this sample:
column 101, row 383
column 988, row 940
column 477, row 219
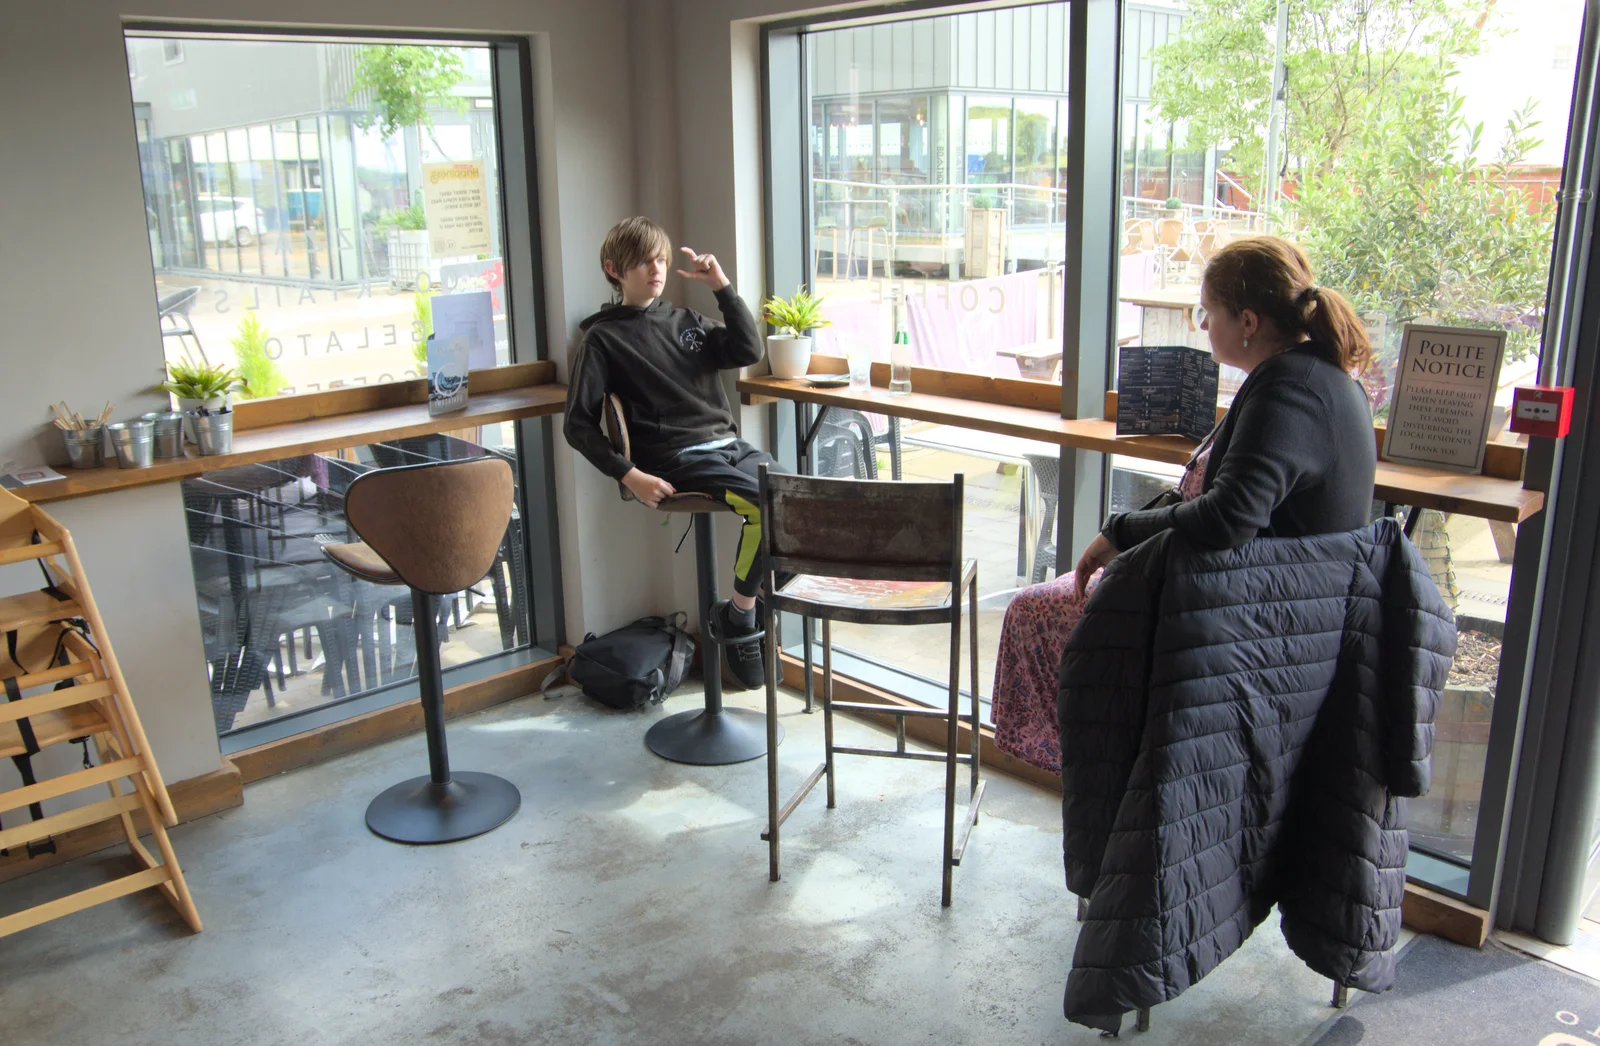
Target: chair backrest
column 864, row 529
column 439, row 525
column 1170, row 231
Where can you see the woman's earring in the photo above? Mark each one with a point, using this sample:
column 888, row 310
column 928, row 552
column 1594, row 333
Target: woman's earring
column 1247, row 343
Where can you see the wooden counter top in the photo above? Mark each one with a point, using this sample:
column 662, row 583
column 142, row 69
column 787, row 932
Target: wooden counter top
column 266, row 430
column 1488, row 497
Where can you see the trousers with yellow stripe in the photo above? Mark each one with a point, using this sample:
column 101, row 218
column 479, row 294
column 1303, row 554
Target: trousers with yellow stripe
column 729, row 474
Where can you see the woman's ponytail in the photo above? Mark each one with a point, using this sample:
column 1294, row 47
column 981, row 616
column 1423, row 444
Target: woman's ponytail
column 1334, row 325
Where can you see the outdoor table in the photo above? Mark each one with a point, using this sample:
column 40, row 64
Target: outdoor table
column 1037, row 360
column 1168, row 315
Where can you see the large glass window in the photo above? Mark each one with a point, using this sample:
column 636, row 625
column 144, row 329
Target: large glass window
column 306, row 201
column 1419, row 172
column 316, row 210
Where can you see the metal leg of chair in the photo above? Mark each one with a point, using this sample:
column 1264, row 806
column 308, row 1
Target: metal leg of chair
column 896, row 450
column 811, row 690
column 712, row 736
column 443, row 806
column 827, row 705
column 950, row 750
column 1341, row 996
column 972, row 655
column 1142, row 1021
column 772, row 743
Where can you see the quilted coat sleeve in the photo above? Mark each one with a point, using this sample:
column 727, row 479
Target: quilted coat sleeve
column 1100, row 707
column 1419, row 644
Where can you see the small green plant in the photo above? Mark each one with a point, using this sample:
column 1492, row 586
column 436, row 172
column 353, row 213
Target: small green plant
column 421, row 326
column 200, row 381
column 797, row 314
column 1174, row 204
column 405, row 219
column 258, row 372
column 985, row 203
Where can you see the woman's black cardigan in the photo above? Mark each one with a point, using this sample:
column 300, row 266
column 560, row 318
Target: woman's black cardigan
column 1294, row 456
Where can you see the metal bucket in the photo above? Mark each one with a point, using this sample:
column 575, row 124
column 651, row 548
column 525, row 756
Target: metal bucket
column 85, row 447
column 134, row 442
column 168, row 433
column 214, row 432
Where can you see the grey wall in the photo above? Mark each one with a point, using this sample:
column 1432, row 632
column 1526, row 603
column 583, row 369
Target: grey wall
column 77, row 288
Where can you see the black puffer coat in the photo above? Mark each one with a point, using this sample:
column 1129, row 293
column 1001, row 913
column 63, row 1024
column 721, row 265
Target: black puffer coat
column 1237, row 730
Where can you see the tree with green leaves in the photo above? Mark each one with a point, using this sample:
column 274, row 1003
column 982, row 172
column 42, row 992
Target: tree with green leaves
column 1343, row 60
column 407, row 83
column 1387, row 192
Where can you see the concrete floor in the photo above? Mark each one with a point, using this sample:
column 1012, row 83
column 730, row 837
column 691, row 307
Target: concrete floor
column 627, row 902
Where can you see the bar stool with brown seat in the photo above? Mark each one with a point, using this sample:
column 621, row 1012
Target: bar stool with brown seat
column 435, row 528
column 872, row 553
column 713, row 735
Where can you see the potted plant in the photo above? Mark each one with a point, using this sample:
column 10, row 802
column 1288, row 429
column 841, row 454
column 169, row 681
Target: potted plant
column 200, row 386
column 406, row 229
column 1174, row 207
column 789, row 349
column 984, row 243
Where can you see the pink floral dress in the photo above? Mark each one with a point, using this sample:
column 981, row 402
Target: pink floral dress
column 1038, row 622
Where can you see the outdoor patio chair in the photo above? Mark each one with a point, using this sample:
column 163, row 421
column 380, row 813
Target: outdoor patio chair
column 871, row 554
column 172, row 313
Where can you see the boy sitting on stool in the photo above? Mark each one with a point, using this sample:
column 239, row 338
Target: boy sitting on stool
column 664, row 364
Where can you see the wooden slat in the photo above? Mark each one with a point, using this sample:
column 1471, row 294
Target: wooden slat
column 975, row 388
column 34, row 608
column 23, row 553
column 17, row 798
column 77, row 902
column 284, row 410
column 80, row 817
column 1428, row 911
column 52, row 728
column 309, row 436
column 66, row 697
column 1484, row 496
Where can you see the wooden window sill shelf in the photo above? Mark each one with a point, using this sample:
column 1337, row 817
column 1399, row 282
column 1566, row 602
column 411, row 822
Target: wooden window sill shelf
column 266, row 430
column 1489, row 497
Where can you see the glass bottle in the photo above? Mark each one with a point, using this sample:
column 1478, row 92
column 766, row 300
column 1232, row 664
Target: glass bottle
column 900, row 363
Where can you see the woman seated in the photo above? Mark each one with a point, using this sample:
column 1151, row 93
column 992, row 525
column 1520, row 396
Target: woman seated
column 1294, row 456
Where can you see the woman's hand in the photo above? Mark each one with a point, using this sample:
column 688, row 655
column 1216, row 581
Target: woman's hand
column 647, row 488
column 1098, row 554
column 703, row 268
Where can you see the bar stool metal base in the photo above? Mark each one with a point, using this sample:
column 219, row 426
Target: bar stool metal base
column 421, row 812
column 731, row 735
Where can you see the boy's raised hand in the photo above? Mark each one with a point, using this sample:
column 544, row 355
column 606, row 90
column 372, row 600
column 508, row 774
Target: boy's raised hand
column 703, row 268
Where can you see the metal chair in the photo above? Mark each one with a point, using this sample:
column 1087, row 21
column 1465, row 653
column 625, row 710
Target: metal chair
column 873, row 554
column 436, row 529
column 713, row 735
column 172, row 314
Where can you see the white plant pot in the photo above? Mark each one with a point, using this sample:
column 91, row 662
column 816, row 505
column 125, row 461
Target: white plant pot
column 186, row 403
column 789, row 356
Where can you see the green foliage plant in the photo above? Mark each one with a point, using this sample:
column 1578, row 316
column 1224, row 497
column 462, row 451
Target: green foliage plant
column 200, row 381
column 259, row 373
column 406, row 219
column 797, row 314
column 421, row 326
column 407, row 82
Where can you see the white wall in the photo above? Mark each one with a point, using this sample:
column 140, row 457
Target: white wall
column 78, row 294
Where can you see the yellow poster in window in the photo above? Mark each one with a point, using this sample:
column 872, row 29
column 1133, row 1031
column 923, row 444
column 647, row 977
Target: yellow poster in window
column 456, row 199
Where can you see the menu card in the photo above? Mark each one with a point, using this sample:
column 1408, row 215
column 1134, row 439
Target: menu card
column 1165, row 390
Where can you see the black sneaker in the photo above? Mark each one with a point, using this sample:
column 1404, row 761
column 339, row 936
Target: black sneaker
column 742, row 658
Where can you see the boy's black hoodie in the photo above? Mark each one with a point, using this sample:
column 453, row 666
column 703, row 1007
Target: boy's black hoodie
column 663, row 363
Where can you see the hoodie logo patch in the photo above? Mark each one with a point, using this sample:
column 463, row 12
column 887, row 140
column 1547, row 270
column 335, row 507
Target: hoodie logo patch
column 692, row 338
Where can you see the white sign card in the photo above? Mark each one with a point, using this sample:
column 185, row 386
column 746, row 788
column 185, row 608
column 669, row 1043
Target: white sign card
column 447, row 374
column 456, row 199
column 470, row 316
column 1443, row 395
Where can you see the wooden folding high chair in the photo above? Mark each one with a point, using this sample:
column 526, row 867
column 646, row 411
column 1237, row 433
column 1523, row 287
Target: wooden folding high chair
column 62, row 684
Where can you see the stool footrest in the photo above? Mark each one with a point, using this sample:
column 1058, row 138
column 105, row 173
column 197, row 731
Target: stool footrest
column 889, row 753
column 868, row 708
column 972, row 820
column 798, row 797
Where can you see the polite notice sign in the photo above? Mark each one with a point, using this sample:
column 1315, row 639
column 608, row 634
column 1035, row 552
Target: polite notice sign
column 456, row 198
column 1443, row 394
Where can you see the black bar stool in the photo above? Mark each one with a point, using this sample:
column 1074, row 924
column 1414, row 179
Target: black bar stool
column 435, row 528
column 713, row 735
